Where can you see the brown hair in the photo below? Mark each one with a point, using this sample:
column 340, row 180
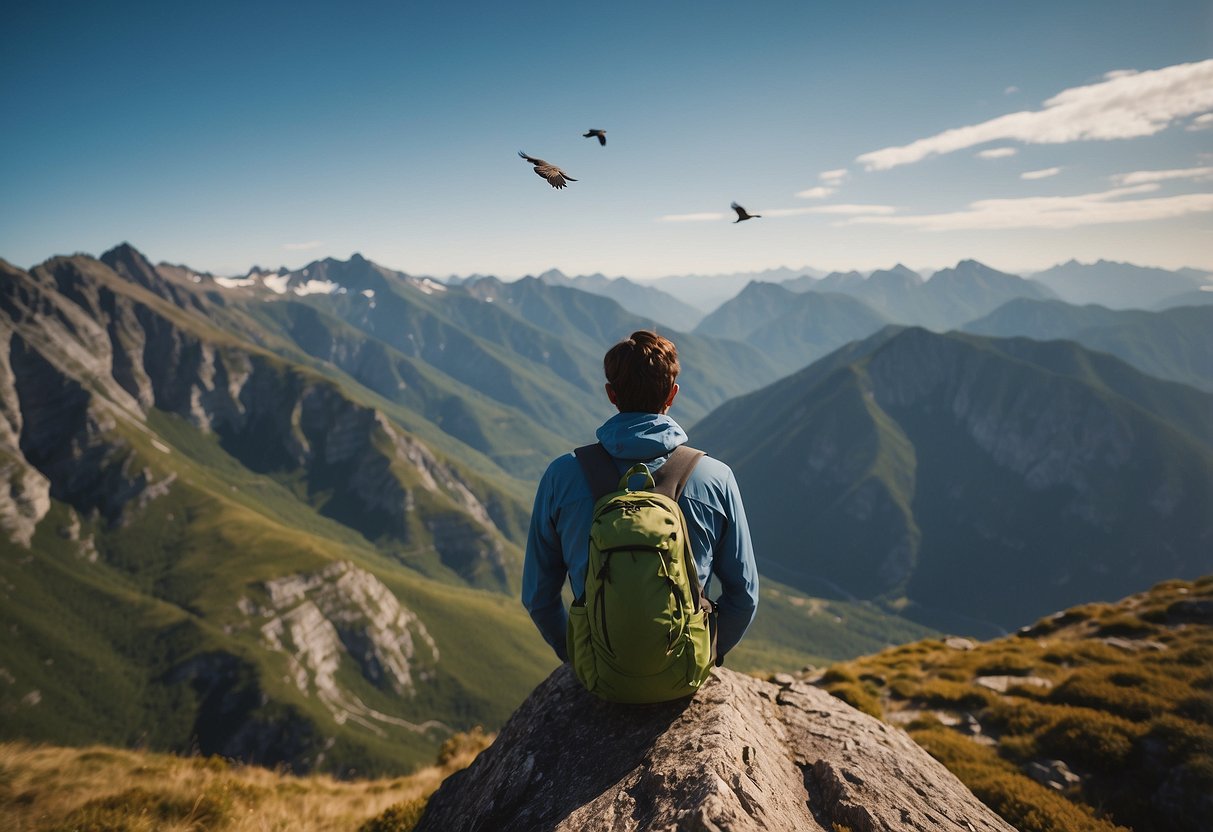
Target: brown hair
column 641, row 370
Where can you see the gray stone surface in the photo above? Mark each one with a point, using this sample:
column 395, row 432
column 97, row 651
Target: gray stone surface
column 742, row 755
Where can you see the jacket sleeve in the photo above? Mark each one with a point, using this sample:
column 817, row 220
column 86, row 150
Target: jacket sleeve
column 543, row 571
column 734, row 565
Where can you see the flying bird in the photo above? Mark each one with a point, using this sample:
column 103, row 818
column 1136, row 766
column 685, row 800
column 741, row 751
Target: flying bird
column 554, row 175
column 601, row 134
column 742, row 214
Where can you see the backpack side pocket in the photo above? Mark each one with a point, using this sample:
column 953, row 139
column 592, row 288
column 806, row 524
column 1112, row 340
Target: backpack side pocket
column 579, row 645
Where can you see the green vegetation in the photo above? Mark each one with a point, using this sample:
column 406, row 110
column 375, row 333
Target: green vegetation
column 1121, row 694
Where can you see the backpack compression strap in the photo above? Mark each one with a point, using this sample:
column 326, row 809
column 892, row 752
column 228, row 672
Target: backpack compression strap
column 603, row 477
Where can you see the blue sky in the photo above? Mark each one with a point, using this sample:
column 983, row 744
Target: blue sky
column 221, row 135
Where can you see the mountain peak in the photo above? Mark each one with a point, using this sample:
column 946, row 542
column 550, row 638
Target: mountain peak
column 743, row 754
column 130, row 264
column 127, row 255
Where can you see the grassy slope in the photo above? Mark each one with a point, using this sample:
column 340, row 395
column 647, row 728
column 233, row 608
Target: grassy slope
column 1122, row 693
column 52, row 789
column 104, row 643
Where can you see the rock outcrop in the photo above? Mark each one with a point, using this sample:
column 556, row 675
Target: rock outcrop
column 321, row 619
column 743, row 754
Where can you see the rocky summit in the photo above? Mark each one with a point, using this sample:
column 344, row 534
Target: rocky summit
column 742, row 754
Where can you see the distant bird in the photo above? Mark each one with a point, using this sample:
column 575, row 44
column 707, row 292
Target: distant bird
column 554, row 175
column 601, row 134
column 741, row 212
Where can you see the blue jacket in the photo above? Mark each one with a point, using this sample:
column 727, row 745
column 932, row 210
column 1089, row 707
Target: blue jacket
column 557, row 545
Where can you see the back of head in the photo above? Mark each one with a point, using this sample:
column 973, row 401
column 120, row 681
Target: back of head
column 641, row 370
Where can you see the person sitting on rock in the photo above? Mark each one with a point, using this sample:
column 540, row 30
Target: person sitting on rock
column 641, row 373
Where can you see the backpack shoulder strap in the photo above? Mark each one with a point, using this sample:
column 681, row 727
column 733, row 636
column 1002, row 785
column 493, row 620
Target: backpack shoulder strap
column 671, row 478
column 599, row 469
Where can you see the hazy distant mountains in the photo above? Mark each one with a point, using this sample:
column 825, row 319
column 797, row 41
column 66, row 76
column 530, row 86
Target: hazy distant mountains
column 798, row 322
column 981, row 480
column 956, row 296
column 949, row 298
column 792, row 329
column 645, row 300
column 1120, row 285
column 1175, row 344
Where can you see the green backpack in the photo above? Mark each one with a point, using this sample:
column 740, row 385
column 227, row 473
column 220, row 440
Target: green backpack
column 642, row 629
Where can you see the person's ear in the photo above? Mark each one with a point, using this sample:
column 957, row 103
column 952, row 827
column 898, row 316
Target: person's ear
column 670, row 400
column 610, row 391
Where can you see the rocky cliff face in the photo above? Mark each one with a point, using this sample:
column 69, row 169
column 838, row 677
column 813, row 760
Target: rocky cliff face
column 87, row 353
column 743, row 754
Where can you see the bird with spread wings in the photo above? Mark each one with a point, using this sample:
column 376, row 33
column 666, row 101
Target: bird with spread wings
column 554, row 175
column 742, row 214
column 592, row 132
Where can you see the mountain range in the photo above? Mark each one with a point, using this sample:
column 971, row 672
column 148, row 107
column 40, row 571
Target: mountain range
column 1174, row 344
column 280, row 516
column 1120, row 285
column 972, row 483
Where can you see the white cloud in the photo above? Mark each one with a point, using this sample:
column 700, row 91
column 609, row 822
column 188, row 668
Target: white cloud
column 996, row 153
column 310, row 244
column 1043, row 173
column 1201, row 122
column 1139, row 176
column 1011, row 90
column 1124, row 105
column 710, row 216
column 1055, row 211
column 831, row 178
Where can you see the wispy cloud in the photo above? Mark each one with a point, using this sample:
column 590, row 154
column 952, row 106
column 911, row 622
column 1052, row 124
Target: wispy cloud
column 1043, row 173
column 309, row 245
column 996, row 153
column 1011, row 90
column 1054, row 212
column 708, row 216
column 1126, row 104
column 1139, row 176
column 831, row 179
column 1201, row 122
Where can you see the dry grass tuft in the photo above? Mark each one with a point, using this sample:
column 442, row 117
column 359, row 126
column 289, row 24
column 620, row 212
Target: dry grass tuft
column 55, row 789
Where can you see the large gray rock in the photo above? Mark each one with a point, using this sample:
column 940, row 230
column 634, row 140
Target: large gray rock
column 743, row 754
